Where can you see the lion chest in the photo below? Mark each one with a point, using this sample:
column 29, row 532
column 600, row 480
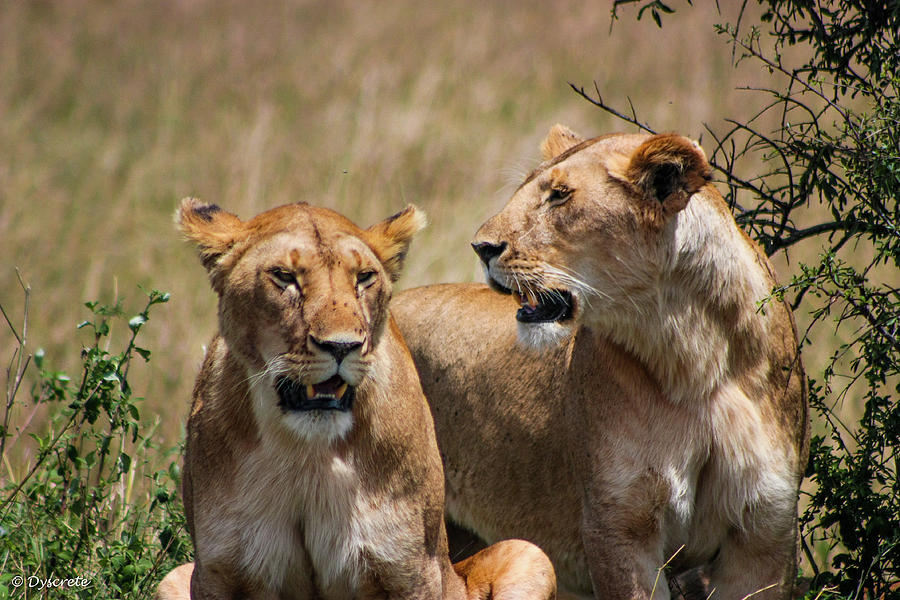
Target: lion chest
column 304, row 523
column 741, row 478
column 751, row 471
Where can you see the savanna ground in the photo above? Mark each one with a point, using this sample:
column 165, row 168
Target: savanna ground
column 110, row 113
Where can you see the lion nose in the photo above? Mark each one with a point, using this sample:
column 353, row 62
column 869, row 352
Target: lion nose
column 486, row 250
column 337, row 349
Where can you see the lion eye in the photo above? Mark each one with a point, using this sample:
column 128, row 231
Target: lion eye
column 365, row 278
column 558, row 195
column 282, row 278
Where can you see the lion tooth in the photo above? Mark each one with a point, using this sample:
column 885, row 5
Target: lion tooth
column 341, row 390
column 310, row 391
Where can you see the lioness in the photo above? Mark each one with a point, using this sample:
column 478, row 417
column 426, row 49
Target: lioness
column 311, row 467
column 662, row 417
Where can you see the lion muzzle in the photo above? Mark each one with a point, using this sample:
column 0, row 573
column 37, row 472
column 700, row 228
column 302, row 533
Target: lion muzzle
column 332, row 394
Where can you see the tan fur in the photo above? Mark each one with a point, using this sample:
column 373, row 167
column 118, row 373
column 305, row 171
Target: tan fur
column 292, row 503
column 666, row 418
column 560, row 139
column 176, row 585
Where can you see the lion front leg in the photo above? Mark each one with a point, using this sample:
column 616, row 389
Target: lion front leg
column 623, row 567
column 219, row 584
column 622, row 524
column 211, row 584
column 622, row 529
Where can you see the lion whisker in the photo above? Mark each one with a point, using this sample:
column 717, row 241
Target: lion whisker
column 277, row 365
column 575, row 279
column 572, row 280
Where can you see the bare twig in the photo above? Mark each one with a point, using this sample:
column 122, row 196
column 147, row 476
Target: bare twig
column 853, row 228
column 15, row 376
column 601, row 104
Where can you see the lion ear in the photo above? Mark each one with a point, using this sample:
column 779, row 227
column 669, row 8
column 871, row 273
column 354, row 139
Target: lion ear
column 560, row 139
column 214, row 230
column 390, row 238
column 666, row 170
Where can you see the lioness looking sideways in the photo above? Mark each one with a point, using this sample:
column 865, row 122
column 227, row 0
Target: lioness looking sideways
column 311, row 467
column 651, row 409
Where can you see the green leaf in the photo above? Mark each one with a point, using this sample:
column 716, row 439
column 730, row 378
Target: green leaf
column 124, row 463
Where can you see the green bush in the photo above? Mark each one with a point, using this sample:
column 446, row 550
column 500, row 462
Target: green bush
column 98, row 502
column 831, row 173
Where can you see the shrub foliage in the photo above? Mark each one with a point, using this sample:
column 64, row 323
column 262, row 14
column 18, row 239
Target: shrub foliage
column 96, row 511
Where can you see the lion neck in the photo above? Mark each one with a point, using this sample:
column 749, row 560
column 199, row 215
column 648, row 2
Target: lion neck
column 693, row 319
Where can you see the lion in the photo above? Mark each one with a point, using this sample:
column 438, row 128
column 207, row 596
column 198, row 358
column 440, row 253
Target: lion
column 311, row 467
column 630, row 401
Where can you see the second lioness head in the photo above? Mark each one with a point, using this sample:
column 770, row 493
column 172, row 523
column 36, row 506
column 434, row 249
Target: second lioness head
column 589, row 228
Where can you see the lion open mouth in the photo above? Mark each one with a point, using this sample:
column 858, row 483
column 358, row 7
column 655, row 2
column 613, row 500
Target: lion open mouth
column 541, row 307
column 331, row 394
column 544, row 307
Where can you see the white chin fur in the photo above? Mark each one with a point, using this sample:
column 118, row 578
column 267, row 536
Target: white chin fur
column 542, row 335
column 316, row 426
column 322, row 426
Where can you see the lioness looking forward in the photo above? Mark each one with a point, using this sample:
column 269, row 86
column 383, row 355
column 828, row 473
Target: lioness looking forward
column 628, row 402
column 311, row 468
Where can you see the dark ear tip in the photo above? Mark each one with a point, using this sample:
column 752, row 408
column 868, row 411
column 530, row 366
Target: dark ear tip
column 401, row 212
column 203, row 210
column 207, row 211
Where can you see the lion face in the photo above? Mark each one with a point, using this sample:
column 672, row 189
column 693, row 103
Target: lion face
column 587, row 229
column 303, row 296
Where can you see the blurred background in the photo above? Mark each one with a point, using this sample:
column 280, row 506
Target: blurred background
column 111, row 112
